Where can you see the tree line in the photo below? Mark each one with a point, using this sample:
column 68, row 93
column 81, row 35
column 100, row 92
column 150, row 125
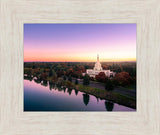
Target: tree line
column 52, row 71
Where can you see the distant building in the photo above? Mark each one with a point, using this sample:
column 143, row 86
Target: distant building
column 97, row 69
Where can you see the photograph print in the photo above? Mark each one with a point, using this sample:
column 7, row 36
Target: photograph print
column 79, row 67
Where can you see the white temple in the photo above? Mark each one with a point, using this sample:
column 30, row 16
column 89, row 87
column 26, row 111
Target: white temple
column 97, row 69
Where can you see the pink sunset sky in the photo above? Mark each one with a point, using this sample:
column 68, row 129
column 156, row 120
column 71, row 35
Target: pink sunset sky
column 79, row 42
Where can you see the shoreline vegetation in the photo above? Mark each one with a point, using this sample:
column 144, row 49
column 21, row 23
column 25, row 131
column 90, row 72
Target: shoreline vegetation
column 111, row 96
column 120, row 89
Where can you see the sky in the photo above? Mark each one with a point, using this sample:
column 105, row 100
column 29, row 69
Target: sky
column 79, row 42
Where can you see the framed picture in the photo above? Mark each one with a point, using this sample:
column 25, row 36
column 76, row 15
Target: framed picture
column 63, row 73
column 55, row 80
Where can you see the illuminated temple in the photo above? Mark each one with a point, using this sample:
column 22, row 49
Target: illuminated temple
column 97, row 69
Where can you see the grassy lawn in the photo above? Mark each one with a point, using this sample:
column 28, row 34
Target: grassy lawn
column 131, row 87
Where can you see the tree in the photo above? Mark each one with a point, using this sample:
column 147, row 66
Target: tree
column 68, row 84
column 54, row 78
column 36, row 72
column 47, row 70
column 64, row 77
column 60, row 82
column 33, row 67
column 77, row 74
column 92, row 79
column 43, row 76
column 44, row 70
column 29, row 72
column 69, row 72
column 101, row 77
column 60, row 73
column 70, row 78
column 123, row 78
column 50, row 73
column 109, row 84
column 76, row 81
column 86, row 80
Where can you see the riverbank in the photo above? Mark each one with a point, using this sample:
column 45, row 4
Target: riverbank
column 107, row 95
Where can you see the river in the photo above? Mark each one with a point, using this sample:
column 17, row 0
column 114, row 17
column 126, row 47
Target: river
column 45, row 97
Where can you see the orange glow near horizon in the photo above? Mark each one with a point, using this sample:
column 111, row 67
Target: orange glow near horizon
column 75, row 56
column 76, row 59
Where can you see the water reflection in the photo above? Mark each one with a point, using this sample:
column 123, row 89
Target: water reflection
column 64, row 89
column 76, row 92
column 69, row 91
column 37, row 81
column 86, row 99
column 59, row 87
column 61, row 101
column 44, row 83
column 97, row 99
column 51, row 85
column 28, row 78
column 109, row 105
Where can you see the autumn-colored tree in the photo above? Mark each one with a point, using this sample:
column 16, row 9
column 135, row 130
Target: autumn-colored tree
column 64, row 72
column 43, row 76
column 104, row 67
column 54, row 77
column 47, row 70
column 77, row 74
column 60, row 73
column 69, row 72
column 36, row 72
column 101, row 77
column 123, row 78
column 69, row 84
column 28, row 72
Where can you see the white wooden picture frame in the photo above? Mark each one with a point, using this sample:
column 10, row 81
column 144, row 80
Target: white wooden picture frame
column 146, row 119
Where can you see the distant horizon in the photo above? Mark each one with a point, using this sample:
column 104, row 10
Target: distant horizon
column 79, row 42
column 85, row 61
column 80, row 61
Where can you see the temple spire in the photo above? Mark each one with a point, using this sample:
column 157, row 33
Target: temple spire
column 97, row 57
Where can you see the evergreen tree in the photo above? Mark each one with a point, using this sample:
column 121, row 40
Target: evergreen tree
column 86, row 80
column 76, row 81
column 109, row 85
column 70, row 78
column 50, row 73
column 64, row 77
column 44, row 70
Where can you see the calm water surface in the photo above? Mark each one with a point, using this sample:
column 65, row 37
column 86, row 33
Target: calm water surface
column 45, row 97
